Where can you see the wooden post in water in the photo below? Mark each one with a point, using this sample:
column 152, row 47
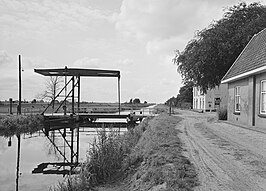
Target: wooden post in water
column 10, row 105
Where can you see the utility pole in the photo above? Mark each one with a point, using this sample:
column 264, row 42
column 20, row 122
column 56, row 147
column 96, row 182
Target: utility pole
column 19, row 113
column 19, row 84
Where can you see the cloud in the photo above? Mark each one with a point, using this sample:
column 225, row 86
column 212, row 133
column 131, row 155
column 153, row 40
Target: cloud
column 124, row 63
column 5, row 59
column 9, row 61
column 120, row 64
column 36, row 62
column 167, row 82
column 160, row 24
column 166, row 46
column 87, row 62
column 42, row 19
column 8, row 87
column 159, row 19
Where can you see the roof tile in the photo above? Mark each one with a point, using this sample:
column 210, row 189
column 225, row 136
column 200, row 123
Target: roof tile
column 252, row 57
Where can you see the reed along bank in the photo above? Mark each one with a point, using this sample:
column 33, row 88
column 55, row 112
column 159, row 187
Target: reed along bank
column 149, row 158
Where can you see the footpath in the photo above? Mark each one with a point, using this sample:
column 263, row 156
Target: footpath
column 226, row 156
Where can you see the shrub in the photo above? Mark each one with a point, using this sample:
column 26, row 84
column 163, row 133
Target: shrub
column 105, row 156
column 222, row 113
column 18, row 124
column 105, row 159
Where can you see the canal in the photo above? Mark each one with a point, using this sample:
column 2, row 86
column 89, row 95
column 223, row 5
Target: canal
column 36, row 149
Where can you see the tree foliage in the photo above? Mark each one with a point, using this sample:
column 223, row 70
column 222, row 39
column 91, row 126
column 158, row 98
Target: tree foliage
column 136, row 101
column 185, row 95
column 209, row 55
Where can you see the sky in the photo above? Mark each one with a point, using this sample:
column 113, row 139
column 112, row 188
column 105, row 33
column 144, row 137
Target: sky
column 136, row 37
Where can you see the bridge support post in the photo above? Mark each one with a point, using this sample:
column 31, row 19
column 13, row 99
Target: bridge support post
column 71, row 145
column 77, row 154
column 73, row 94
column 119, row 105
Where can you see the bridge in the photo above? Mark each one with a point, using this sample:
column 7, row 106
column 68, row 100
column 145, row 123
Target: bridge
column 69, row 121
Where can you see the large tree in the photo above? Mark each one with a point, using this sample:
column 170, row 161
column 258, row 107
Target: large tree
column 185, row 95
column 52, row 87
column 209, row 55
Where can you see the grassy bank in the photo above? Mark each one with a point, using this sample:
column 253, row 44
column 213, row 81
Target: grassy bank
column 157, row 160
column 34, row 108
column 146, row 158
column 104, row 160
column 17, row 124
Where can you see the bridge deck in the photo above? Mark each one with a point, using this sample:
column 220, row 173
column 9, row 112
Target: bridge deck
column 59, row 121
column 88, row 115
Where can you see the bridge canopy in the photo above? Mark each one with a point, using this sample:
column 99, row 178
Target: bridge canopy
column 78, row 72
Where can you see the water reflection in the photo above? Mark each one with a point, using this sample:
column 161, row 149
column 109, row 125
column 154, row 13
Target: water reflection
column 51, row 143
column 55, row 153
column 63, row 150
column 37, row 149
column 54, row 146
column 18, row 161
column 32, row 153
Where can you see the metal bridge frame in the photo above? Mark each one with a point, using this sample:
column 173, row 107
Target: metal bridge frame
column 75, row 75
column 74, row 81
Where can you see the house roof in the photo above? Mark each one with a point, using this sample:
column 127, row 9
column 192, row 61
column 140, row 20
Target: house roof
column 78, row 72
column 252, row 60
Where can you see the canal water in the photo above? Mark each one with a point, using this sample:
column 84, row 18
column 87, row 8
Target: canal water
column 34, row 150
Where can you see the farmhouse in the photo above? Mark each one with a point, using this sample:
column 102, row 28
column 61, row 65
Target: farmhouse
column 246, row 81
column 211, row 100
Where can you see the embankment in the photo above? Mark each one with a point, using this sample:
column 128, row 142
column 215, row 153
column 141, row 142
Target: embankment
column 149, row 158
column 11, row 125
column 156, row 162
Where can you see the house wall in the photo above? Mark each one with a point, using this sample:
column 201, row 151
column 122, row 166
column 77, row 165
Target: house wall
column 198, row 99
column 243, row 116
column 246, row 102
column 223, row 95
column 206, row 102
column 259, row 120
column 220, row 92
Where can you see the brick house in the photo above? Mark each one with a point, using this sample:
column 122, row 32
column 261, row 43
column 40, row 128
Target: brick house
column 246, row 81
column 211, row 100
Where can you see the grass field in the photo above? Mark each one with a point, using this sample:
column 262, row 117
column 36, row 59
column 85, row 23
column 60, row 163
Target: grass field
column 32, row 108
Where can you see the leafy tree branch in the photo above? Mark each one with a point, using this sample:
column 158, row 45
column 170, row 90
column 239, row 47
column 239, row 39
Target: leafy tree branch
column 209, row 55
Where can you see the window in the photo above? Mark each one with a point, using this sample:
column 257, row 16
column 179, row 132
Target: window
column 237, row 99
column 263, row 97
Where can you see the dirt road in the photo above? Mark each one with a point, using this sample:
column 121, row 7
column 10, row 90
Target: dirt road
column 226, row 157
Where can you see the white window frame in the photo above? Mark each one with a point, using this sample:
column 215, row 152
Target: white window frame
column 237, row 99
column 262, row 95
